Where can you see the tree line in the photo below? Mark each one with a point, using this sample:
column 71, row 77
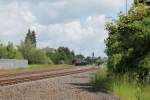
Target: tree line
column 28, row 50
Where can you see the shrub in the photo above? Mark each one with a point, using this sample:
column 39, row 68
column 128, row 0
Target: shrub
column 37, row 57
column 33, row 55
column 9, row 52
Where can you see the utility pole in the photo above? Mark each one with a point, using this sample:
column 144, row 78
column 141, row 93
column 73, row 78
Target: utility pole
column 126, row 7
column 93, row 58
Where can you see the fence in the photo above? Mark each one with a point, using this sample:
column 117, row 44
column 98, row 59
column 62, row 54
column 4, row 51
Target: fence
column 13, row 63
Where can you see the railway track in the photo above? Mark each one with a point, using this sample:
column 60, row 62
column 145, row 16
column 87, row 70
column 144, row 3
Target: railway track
column 11, row 79
column 32, row 72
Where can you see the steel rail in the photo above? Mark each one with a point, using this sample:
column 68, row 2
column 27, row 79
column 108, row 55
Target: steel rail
column 32, row 77
column 31, row 72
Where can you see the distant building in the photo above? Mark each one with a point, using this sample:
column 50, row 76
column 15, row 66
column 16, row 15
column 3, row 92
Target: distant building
column 47, row 49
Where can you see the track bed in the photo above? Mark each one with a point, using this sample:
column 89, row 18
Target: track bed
column 10, row 79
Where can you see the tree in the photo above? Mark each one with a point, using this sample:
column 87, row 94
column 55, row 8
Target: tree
column 33, row 55
column 80, row 56
column 61, row 56
column 99, row 61
column 3, row 51
column 9, row 52
column 128, row 46
column 25, row 49
column 88, row 59
column 31, row 37
column 52, row 56
column 37, row 57
column 64, row 55
column 30, row 52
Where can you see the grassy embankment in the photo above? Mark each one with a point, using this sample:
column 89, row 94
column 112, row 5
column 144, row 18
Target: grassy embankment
column 122, row 88
column 34, row 67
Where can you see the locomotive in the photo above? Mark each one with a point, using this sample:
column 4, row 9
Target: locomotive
column 79, row 62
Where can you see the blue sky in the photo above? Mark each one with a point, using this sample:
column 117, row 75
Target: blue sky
column 77, row 24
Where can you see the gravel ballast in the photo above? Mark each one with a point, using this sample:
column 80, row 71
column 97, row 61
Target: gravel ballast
column 71, row 87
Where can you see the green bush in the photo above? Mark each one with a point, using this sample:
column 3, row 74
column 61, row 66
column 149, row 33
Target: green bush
column 9, row 52
column 18, row 55
column 128, row 43
column 61, row 56
column 33, row 55
column 37, row 57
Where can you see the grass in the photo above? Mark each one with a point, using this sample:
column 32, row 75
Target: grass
column 101, row 82
column 34, row 67
column 43, row 66
column 127, row 91
column 121, row 88
column 147, row 92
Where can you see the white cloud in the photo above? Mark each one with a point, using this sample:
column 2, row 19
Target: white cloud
column 78, row 24
column 14, row 22
column 86, row 39
column 54, row 11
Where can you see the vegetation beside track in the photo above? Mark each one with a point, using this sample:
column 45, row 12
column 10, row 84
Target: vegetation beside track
column 125, row 88
column 34, row 67
column 128, row 51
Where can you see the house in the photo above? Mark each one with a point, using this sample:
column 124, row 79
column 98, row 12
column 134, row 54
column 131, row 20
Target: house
column 47, row 49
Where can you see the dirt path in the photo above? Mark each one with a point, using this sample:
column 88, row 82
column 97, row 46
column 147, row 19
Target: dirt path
column 72, row 87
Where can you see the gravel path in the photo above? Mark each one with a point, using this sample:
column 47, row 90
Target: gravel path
column 72, row 87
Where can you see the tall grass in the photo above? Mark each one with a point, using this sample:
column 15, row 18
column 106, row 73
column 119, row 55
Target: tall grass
column 34, row 67
column 124, row 87
column 101, row 82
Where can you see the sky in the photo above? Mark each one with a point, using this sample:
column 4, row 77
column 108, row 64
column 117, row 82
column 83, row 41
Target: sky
column 77, row 24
